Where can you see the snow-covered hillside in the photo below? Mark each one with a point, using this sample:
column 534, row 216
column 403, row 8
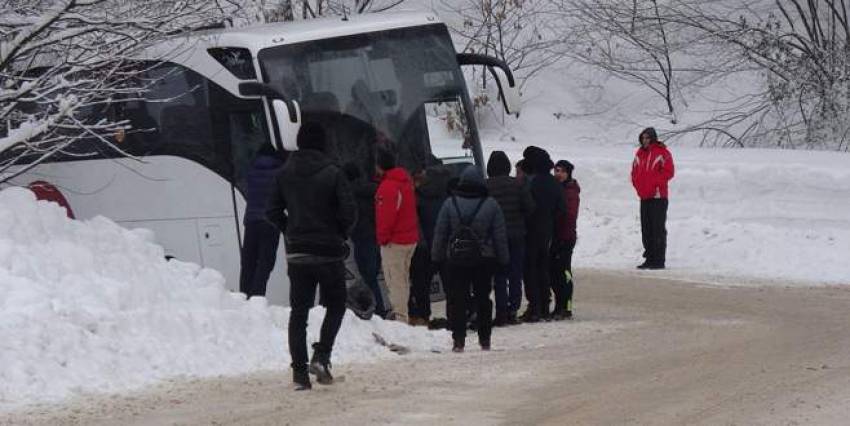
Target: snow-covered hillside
column 87, row 306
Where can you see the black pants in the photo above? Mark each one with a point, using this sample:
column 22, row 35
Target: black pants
column 561, row 263
column 461, row 279
column 421, row 274
column 537, row 275
column 653, row 221
column 303, row 279
column 259, row 250
column 367, row 255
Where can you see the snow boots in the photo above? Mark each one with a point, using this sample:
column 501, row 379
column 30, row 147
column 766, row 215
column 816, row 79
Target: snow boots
column 320, row 364
column 301, row 379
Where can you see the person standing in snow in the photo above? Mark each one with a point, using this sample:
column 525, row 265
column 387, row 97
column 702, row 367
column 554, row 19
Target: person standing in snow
column 517, row 205
column 431, row 191
column 652, row 170
column 312, row 205
column 259, row 247
column 367, row 255
column 471, row 239
column 397, row 229
column 564, row 243
column 549, row 203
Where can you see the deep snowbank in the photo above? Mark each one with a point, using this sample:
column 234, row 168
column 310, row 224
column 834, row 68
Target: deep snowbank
column 736, row 216
column 89, row 306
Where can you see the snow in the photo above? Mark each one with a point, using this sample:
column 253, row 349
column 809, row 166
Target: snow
column 87, row 306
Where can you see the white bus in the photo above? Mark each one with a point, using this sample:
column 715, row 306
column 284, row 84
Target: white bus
column 224, row 93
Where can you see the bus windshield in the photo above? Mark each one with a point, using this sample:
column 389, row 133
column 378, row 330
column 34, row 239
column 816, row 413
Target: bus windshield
column 400, row 87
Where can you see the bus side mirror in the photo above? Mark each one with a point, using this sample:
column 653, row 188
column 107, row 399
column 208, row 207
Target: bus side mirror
column 508, row 90
column 288, row 117
column 500, row 71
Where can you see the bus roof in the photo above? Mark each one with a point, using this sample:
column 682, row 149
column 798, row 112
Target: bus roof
column 257, row 37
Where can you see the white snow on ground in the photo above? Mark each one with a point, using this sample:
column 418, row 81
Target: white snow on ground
column 87, row 306
column 735, row 216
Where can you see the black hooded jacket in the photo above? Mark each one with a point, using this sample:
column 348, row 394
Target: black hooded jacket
column 513, row 197
column 548, row 195
column 312, row 205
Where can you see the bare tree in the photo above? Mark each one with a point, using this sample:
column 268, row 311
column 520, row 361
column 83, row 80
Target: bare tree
column 62, row 62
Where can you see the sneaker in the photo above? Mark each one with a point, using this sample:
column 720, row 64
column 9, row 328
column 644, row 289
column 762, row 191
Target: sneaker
column 512, row 319
column 485, row 345
column 644, row 265
column 301, row 379
column 655, row 266
column 320, row 365
column 458, row 347
column 568, row 315
column 501, row 319
column 531, row 319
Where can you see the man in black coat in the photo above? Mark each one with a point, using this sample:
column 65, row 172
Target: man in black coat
column 517, row 206
column 549, row 203
column 315, row 210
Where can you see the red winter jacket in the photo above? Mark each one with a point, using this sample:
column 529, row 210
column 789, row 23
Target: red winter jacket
column 566, row 224
column 395, row 209
column 651, row 170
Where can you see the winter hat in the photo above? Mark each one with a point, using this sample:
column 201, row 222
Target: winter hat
column 538, row 159
column 523, row 165
column 471, row 176
column 649, row 131
column 566, row 165
column 385, row 159
column 311, row 136
column 498, row 164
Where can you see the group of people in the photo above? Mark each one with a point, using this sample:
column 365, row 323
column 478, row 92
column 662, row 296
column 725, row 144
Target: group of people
column 498, row 234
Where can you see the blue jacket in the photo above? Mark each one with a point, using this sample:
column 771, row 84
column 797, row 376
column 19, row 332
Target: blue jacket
column 259, row 182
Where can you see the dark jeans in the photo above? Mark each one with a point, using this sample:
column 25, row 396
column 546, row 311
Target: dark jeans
column 562, row 260
column 508, row 286
column 259, row 250
column 537, row 275
column 421, row 274
column 367, row 256
column 653, row 221
column 303, row 279
column 461, row 279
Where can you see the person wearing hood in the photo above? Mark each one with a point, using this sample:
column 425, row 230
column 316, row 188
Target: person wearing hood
column 312, row 205
column 471, row 239
column 652, row 170
column 549, row 203
column 397, row 229
column 259, row 245
column 565, row 242
column 431, row 191
column 517, row 206
column 367, row 255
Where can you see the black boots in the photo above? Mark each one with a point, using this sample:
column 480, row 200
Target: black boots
column 301, row 379
column 320, row 364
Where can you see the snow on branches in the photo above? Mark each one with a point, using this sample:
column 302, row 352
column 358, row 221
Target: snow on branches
column 63, row 62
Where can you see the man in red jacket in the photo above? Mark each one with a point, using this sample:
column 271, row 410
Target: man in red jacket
column 397, row 230
column 652, row 169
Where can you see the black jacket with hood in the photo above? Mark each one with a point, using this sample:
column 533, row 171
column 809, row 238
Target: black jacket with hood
column 513, row 197
column 547, row 193
column 488, row 224
column 312, row 206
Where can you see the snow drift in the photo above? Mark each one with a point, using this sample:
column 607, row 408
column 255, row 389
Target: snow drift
column 89, row 306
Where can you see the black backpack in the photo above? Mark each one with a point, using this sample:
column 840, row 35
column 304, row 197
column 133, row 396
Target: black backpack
column 464, row 243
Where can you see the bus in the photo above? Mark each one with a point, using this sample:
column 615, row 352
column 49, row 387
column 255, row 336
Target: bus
column 392, row 78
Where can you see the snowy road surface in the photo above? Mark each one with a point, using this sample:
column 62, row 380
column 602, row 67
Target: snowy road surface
column 643, row 350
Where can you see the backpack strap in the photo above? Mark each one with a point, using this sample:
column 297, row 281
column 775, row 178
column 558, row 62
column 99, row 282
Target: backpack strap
column 474, row 213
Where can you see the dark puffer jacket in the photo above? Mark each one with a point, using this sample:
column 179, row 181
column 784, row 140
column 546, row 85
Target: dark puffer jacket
column 488, row 224
column 364, row 194
column 513, row 197
column 259, row 182
column 312, row 205
column 430, row 195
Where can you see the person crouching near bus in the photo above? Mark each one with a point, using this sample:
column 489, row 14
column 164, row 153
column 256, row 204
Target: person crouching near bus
column 312, row 205
column 471, row 239
column 517, row 205
column 564, row 243
column 397, row 230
